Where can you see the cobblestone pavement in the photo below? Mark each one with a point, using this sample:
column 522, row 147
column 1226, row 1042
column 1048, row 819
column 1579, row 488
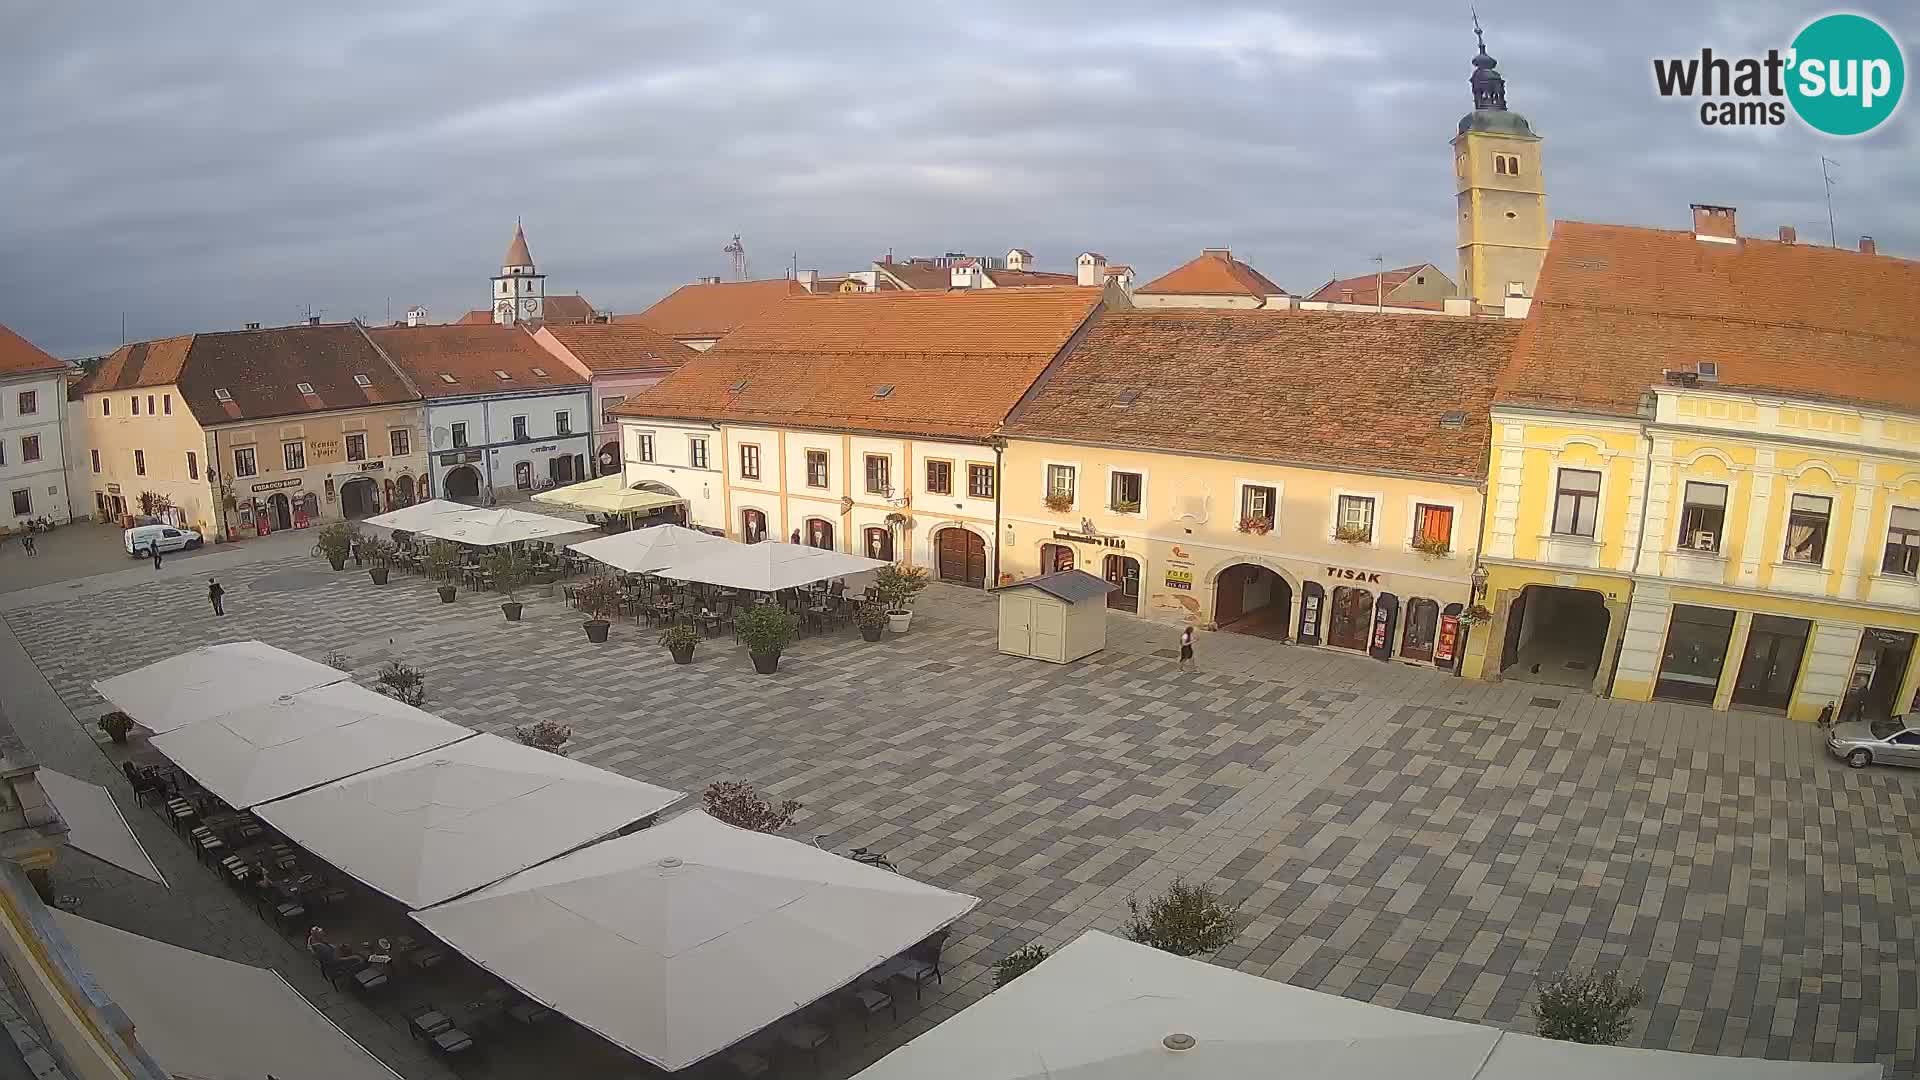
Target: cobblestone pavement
column 1393, row 834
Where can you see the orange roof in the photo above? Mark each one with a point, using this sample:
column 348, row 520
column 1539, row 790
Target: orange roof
column 1214, row 273
column 714, row 310
column 1616, row 305
column 472, row 356
column 142, row 363
column 606, row 348
column 1351, row 390
column 19, row 356
column 919, row 275
column 1026, row 279
column 945, row 364
column 476, row 317
column 517, row 253
column 1364, row 288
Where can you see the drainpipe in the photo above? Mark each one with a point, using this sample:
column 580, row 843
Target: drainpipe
column 999, row 445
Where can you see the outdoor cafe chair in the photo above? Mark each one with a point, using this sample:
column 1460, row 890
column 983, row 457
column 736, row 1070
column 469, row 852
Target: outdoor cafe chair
column 424, row 1021
column 864, row 1001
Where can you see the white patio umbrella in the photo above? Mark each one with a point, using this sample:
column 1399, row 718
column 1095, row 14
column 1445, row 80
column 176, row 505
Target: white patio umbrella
column 210, row 680
column 265, row 750
column 418, row 516
column 679, row 940
column 642, row 551
column 447, row 822
column 492, row 528
column 767, row 567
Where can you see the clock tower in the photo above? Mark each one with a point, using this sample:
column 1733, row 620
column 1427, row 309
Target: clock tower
column 1500, row 191
column 519, row 291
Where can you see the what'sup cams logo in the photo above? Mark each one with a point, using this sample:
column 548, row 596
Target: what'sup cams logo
column 1843, row 75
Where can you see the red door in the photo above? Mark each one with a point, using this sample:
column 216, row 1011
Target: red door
column 961, row 558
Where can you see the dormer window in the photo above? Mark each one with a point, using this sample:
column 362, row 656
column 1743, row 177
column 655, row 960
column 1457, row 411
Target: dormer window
column 305, row 388
column 221, row 394
column 448, row 379
column 884, row 390
column 540, row 372
column 503, row 376
column 362, row 380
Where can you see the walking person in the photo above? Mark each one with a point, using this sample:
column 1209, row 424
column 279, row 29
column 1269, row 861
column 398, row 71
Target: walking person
column 27, row 541
column 154, row 550
column 214, row 593
column 1186, row 650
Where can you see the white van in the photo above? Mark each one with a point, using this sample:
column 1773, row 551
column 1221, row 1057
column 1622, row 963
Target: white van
column 142, row 539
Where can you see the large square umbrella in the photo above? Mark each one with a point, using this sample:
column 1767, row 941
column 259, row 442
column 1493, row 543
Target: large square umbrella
column 642, row 551
column 418, row 516
column 679, row 940
column 767, row 567
column 607, row 495
column 267, row 750
column 492, row 528
column 447, row 822
column 210, row 680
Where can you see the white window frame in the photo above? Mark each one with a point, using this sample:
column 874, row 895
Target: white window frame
column 1887, row 542
column 1142, row 474
column 1414, row 503
column 1333, row 514
column 643, row 447
column 1073, row 476
column 1725, row 484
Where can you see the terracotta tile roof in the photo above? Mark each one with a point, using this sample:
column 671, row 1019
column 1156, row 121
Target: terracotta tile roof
column 1363, row 288
column 622, row 347
column 1350, row 390
column 1214, row 273
column 566, row 308
column 713, row 310
column 476, row 317
column 951, row 363
column 517, row 253
column 18, row 356
column 260, row 371
column 1022, row 279
column 1617, row 304
column 919, row 275
column 472, row 355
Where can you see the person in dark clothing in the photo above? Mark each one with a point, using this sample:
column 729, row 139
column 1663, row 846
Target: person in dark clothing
column 27, row 541
column 154, row 550
column 214, row 593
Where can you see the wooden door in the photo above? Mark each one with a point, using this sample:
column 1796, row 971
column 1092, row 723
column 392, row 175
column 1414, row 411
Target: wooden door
column 961, row 558
column 1016, row 623
column 1351, row 623
column 1049, row 630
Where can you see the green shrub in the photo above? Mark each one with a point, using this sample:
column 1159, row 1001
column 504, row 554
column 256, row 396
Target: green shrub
column 1184, row 920
column 766, row 628
column 335, row 542
column 1585, row 1007
column 1017, row 963
column 737, row 803
column 403, row 684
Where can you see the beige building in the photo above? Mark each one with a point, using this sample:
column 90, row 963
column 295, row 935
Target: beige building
column 253, row 430
column 1501, row 195
column 1214, row 279
column 1322, row 483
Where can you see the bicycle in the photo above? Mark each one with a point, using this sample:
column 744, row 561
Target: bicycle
column 864, row 856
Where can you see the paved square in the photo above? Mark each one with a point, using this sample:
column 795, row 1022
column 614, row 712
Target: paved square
column 1394, row 835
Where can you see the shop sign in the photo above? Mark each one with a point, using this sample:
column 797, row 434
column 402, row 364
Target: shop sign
column 1080, row 538
column 324, row 449
column 1382, row 616
column 372, row 466
column 1449, row 638
column 1344, row 574
column 1180, row 579
column 278, row 485
column 1310, row 616
column 548, row 449
column 113, row 489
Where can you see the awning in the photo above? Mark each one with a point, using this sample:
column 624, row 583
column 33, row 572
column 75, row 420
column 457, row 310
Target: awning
column 679, row 940
column 202, row 1016
column 606, row 495
column 642, row 551
column 418, row 516
column 264, row 751
column 95, row 824
column 447, row 822
column 210, row 680
column 1110, row 1009
column 769, row 566
column 491, row 528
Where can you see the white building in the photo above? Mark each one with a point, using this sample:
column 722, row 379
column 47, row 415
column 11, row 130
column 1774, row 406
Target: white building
column 33, row 409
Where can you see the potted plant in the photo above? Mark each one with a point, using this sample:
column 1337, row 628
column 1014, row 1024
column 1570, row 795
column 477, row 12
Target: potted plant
column 1257, row 524
column 738, row 804
column 871, row 618
column 335, row 542
column 1586, row 1007
column 1184, row 920
column 548, row 735
column 1058, row 502
column 679, row 639
column 898, row 585
column 379, row 551
column 1126, row 506
column 1475, row 615
column 116, row 724
column 598, row 598
column 766, row 629
column 1433, row 547
column 1017, row 963
column 441, row 558
column 509, row 570
column 403, row 684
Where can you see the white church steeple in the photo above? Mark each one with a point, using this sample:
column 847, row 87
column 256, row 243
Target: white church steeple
column 519, row 291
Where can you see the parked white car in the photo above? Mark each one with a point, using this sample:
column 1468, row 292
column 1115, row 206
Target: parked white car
column 142, row 539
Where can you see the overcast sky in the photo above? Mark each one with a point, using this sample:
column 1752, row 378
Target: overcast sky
column 198, row 166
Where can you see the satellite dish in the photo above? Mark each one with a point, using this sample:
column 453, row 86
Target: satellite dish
column 442, row 436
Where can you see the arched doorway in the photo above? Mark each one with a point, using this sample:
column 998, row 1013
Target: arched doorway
column 280, row 511
column 359, row 498
column 753, row 526
column 403, row 492
column 819, row 533
column 1055, row 558
column 960, row 557
column 1423, row 629
column 879, row 544
column 1555, row 635
column 1123, row 573
column 1350, row 620
column 463, row 484
column 1249, row 599
column 523, row 475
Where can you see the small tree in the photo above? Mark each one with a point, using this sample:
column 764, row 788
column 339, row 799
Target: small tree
column 1585, row 1007
column 1184, row 920
column 338, row 660
column 378, row 550
column 1017, row 963
column 548, row 735
column 737, row 803
column 442, row 556
column 899, row 584
column 335, row 542
column 509, row 570
column 766, row 628
column 598, row 598
column 403, row 684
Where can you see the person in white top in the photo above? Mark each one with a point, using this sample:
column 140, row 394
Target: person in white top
column 1186, row 651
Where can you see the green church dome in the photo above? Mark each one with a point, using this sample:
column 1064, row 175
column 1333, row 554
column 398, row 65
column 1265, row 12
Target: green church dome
column 1498, row 121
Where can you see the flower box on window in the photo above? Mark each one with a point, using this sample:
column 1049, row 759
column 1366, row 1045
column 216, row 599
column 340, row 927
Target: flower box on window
column 1475, row 615
column 1353, row 534
column 1126, row 507
column 1059, row 503
column 1432, row 547
column 1256, row 524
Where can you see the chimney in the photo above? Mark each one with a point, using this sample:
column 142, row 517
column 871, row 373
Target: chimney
column 713, row 279
column 253, row 326
column 416, row 316
column 961, row 274
column 1714, row 224
column 1457, row 305
column 313, row 320
column 1092, row 268
column 1787, row 235
column 1225, row 254
column 1866, row 246
column 807, row 278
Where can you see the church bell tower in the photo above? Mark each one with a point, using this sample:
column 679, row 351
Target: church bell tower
column 519, row 291
column 1500, row 192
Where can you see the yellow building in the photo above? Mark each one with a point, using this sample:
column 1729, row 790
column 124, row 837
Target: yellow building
column 1501, row 192
column 1705, row 474
column 253, row 428
column 1299, row 475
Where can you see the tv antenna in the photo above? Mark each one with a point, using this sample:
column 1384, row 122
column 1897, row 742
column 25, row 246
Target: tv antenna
column 737, row 251
column 1379, row 290
column 1833, row 239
